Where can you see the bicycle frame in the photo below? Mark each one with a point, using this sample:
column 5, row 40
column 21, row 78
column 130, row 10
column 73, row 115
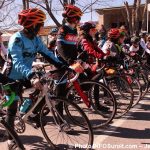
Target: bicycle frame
column 41, row 96
column 77, row 87
column 81, row 93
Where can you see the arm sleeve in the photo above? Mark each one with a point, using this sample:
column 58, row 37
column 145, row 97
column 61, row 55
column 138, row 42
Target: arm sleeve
column 147, row 50
column 87, row 47
column 143, row 45
column 49, row 55
column 64, row 46
column 4, row 50
column 15, row 51
column 105, row 48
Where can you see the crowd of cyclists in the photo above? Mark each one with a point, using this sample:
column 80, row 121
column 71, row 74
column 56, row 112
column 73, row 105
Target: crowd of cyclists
column 74, row 45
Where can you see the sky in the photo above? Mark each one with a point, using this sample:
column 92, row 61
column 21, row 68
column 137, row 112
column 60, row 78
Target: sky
column 86, row 17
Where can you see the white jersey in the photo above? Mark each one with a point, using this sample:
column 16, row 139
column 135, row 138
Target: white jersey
column 133, row 49
column 107, row 45
column 143, row 45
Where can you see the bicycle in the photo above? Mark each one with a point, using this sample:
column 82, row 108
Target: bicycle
column 5, row 103
column 119, row 86
column 91, row 96
column 53, row 123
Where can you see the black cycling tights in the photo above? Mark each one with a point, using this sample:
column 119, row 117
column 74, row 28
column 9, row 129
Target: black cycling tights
column 60, row 92
column 11, row 113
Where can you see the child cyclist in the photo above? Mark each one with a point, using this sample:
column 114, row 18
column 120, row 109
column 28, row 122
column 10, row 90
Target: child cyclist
column 87, row 44
column 22, row 49
column 66, row 46
column 67, row 39
column 114, row 44
column 91, row 52
column 135, row 41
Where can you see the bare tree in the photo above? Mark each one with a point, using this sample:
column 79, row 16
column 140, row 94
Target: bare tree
column 6, row 9
column 50, row 6
column 4, row 3
column 25, row 4
column 144, row 17
column 133, row 14
column 137, row 19
column 129, row 18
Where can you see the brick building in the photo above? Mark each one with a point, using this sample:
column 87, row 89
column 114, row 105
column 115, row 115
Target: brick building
column 115, row 16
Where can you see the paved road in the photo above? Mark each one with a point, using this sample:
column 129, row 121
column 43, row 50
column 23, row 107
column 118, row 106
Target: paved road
column 131, row 132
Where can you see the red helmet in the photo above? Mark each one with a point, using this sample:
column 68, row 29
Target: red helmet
column 72, row 11
column 114, row 33
column 31, row 17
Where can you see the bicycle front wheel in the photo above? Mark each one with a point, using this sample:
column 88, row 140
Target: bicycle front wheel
column 123, row 93
column 137, row 89
column 65, row 132
column 103, row 103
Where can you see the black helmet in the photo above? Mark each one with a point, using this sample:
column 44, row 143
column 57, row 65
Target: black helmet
column 143, row 33
column 135, row 39
column 87, row 26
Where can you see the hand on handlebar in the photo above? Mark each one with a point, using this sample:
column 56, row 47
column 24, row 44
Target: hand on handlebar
column 94, row 67
column 132, row 54
column 77, row 67
column 36, row 83
column 108, row 53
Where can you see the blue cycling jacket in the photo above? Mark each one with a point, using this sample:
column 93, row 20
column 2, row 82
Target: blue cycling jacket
column 22, row 52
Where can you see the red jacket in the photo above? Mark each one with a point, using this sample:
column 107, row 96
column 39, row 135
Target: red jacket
column 92, row 48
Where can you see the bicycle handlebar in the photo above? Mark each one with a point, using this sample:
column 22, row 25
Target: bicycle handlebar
column 51, row 75
column 74, row 78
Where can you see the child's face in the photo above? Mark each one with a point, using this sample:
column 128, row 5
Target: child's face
column 121, row 40
column 93, row 31
column 135, row 45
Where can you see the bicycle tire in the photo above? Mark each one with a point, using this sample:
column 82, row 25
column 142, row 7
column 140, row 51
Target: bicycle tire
column 93, row 112
column 13, row 134
column 143, row 78
column 118, row 88
column 46, row 135
column 134, row 83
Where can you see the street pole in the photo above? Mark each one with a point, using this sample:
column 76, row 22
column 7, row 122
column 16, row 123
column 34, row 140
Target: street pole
column 147, row 19
column 148, row 9
column 91, row 11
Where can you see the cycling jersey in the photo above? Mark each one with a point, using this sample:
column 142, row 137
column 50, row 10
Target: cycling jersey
column 22, row 52
column 133, row 49
column 87, row 44
column 116, row 53
column 110, row 46
column 66, row 44
column 143, row 46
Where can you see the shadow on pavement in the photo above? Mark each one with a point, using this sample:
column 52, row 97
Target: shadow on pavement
column 139, row 114
column 36, row 142
column 125, row 133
